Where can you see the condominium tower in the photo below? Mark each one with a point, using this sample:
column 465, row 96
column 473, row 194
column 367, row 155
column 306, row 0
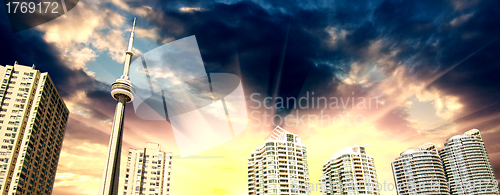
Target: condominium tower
column 420, row 171
column 148, row 171
column 32, row 124
column 279, row 167
column 349, row 171
column 467, row 165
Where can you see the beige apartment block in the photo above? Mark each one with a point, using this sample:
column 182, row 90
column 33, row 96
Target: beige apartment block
column 467, row 165
column 349, row 171
column 420, row 171
column 33, row 120
column 279, row 167
column 148, row 171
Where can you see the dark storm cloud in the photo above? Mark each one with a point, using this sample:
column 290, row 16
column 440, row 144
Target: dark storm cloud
column 287, row 39
column 28, row 47
column 259, row 39
column 422, row 33
column 475, row 80
column 432, row 37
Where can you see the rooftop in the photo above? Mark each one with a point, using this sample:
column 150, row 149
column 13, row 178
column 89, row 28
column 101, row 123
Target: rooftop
column 472, row 132
column 356, row 149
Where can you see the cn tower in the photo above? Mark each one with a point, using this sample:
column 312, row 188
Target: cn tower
column 123, row 92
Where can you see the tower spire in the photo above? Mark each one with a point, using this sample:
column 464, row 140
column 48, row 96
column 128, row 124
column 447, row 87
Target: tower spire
column 123, row 92
column 131, row 40
column 129, row 53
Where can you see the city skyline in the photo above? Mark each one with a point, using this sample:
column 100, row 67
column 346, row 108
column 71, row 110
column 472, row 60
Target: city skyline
column 428, row 68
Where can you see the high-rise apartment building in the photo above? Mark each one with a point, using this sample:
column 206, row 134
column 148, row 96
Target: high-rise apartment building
column 33, row 120
column 349, row 171
column 467, row 165
column 420, row 171
column 148, row 171
column 279, row 167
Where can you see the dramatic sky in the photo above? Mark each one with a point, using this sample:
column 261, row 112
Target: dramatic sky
column 433, row 66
